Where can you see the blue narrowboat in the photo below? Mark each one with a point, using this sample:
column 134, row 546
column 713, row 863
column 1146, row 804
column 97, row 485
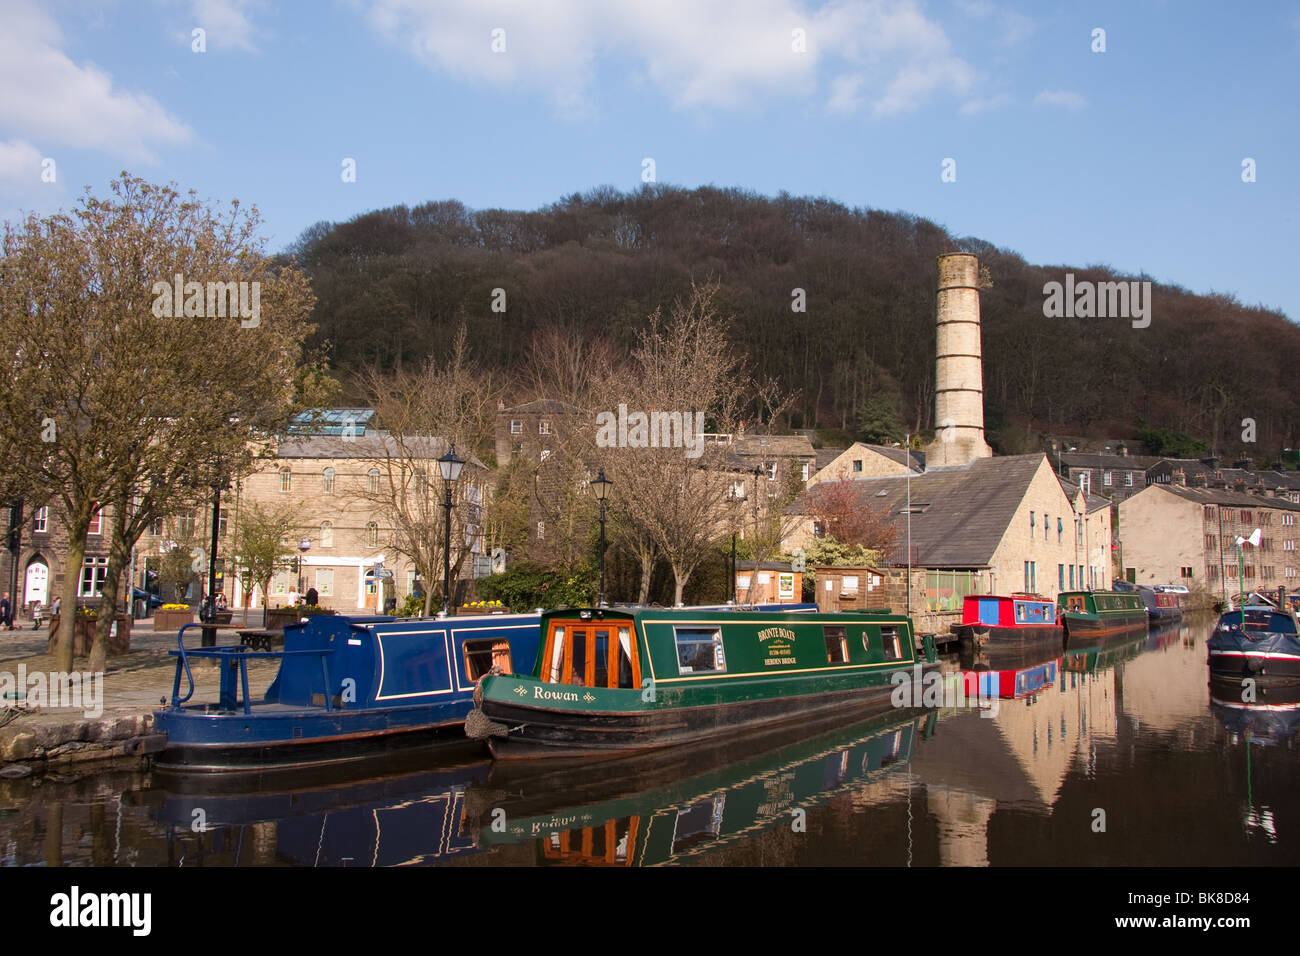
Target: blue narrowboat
column 347, row 688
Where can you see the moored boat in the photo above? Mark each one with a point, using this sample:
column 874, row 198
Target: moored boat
column 1161, row 605
column 347, row 688
column 1096, row 614
column 1008, row 620
column 1258, row 641
column 618, row 681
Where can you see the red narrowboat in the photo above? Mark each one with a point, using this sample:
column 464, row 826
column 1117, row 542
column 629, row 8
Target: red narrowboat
column 1008, row 620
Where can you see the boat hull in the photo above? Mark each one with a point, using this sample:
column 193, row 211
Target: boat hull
column 1269, row 651
column 996, row 635
column 1084, row 627
column 203, row 743
column 537, row 733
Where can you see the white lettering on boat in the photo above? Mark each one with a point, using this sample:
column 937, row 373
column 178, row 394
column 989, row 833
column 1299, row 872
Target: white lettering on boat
column 541, row 694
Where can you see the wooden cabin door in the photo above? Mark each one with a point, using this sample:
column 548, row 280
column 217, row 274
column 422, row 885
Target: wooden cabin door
column 592, row 654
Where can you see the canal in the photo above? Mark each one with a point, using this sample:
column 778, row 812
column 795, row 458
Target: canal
column 1123, row 756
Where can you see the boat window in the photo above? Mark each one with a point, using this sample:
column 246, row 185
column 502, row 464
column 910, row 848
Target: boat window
column 699, row 650
column 625, row 678
column 600, row 675
column 837, row 643
column 576, row 666
column 482, row 655
column 889, row 638
column 557, row 651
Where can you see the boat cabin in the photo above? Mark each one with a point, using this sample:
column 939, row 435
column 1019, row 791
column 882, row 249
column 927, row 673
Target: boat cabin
column 1007, row 611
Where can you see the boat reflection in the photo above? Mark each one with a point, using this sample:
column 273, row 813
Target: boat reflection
column 406, row 816
column 699, row 811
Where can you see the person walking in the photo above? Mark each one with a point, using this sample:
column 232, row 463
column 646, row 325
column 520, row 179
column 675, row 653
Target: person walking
column 311, row 597
column 6, row 612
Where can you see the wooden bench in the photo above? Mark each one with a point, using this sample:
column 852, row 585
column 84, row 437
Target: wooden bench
column 260, row 638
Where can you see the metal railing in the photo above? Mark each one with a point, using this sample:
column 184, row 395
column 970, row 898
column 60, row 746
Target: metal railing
column 233, row 654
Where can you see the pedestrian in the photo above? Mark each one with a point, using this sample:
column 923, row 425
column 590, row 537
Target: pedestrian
column 293, row 597
column 221, row 602
column 311, row 597
column 6, row 612
column 54, row 608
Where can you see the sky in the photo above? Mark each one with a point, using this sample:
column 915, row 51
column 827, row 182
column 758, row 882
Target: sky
column 1157, row 138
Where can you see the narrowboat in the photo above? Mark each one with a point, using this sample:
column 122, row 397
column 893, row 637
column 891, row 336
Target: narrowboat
column 346, row 688
column 617, row 681
column 1255, row 641
column 1008, row 620
column 713, row 804
column 1162, row 606
column 1096, row 614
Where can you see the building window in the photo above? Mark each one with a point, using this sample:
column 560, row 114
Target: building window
column 1186, row 572
column 803, row 471
column 1060, row 577
column 221, row 526
column 327, row 481
column 1072, row 577
column 327, row 534
column 372, row 481
column 516, row 426
column 1085, row 482
column 1047, row 527
column 372, row 535
column 41, row 519
column 699, row 650
column 1060, row 530
column 1211, row 542
column 286, row 480
column 156, row 527
column 1209, row 513
column 324, row 581
column 96, row 522
column 1031, row 525
column 819, row 529
column 94, row 573
column 1245, row 516
column 543, row 427
column 1128, row 479
column 185, row 526
column 857, row 464
column 1108, row 478
column 770, row 468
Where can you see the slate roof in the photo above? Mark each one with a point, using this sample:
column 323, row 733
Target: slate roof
column 371, row 446
column 827, row 455
column 1229, row 497
column 900, row 455
column 1093, row 503
column 1194, row 466
column 753, row 448
column 1113, row 462
column 959, row 514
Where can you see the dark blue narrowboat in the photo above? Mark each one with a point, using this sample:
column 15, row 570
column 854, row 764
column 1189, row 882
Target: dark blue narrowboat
column 347, row 688
column 1255, row 641
column 1162, row 606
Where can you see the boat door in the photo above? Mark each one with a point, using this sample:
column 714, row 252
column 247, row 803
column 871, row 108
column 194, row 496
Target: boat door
column 591, row 654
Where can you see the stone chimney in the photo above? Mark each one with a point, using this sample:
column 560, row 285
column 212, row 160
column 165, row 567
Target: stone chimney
column 959, row 367
column 1123, row 450
column 1179, row 477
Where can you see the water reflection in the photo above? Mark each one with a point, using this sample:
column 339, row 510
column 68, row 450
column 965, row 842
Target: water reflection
column 1125, row 727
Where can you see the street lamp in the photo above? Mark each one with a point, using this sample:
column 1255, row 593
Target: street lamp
column 601, row 486
column 450, row 465
column 304, row 545
column 734, row 496
column 753, row 577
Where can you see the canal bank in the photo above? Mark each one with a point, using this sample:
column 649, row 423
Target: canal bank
column 107, row 710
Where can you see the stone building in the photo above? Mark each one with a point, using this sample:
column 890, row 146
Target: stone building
column 861, row 460
column 1112, row 476
column 1176, row 534
column 41, row 557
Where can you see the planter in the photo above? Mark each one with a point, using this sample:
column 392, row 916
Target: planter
column 482, row 610
column 83, row 635
column 171, row 620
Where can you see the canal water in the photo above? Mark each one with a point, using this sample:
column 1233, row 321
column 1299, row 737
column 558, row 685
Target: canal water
column 1121, row 754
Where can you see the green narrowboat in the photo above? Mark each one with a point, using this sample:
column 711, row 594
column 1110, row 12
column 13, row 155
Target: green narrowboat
column 1096, row 614
column 617, row 681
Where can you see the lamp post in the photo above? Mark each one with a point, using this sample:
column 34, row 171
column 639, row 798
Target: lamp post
column 450, row 465
column 601, row 485
column 304, row 545
column 753, row 577
column 208, row 610
column 733, row 497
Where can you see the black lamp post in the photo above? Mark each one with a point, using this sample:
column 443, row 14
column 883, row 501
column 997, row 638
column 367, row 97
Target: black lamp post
column 601, row 485
column 450, row 465
column 304, row 545
column 208, row 610
column 753, row 577
column 733, row 496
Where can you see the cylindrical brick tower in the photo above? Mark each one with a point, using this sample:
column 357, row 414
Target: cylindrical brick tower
column 959, row 370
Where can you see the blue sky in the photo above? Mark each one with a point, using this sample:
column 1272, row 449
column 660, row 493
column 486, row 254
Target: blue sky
column 1131, row 157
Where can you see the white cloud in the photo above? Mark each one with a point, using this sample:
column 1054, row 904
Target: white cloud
column 54, row 102
column 1065, row 99
column 979, row 105
column 702, row 54
column 20, row 163
column 225, row 22
column 1012, row 25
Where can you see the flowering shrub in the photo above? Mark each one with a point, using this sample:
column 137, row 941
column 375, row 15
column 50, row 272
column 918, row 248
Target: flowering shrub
column 174, row 607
